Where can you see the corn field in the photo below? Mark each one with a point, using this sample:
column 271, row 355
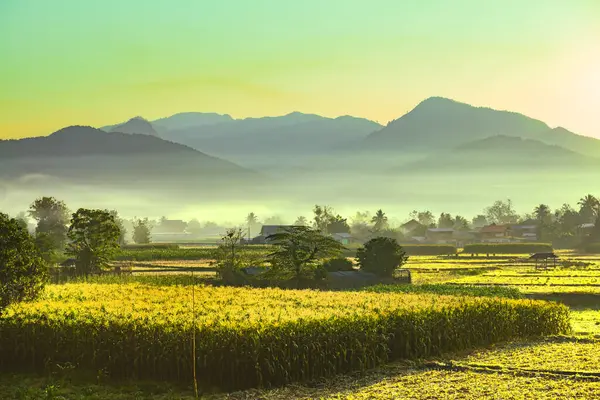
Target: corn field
column 252, row 337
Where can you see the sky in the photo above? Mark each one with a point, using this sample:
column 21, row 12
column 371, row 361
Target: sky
column 74, row 62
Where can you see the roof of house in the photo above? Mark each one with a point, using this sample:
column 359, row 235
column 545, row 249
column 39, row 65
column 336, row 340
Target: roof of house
column 538, row 256
column 413, row 223
column 495, row 228
column 342, row 235
column 440, row 230
column 589, row 225
column 267, row 230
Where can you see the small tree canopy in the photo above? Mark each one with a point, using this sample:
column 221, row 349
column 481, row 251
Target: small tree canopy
column 23, row 272
column 298, row 248
column 141, row 231
column 381, row 256
column 94, row 236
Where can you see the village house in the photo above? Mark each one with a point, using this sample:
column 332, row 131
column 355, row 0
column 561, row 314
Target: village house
column 411, row 227
column 343, row 238
column 495, row 233
column 440, row 235
column 527, row 229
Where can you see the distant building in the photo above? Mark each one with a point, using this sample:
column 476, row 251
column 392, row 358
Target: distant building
column 495, row 233
column 343, row 238
column 268, row 230
column 527, row 229
column 410, row 226
column 440, row 235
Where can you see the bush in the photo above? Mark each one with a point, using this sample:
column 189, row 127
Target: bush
column 508, row 248
column 429, row 249
column 23, row 272
column 381, row 256
column 338, row 264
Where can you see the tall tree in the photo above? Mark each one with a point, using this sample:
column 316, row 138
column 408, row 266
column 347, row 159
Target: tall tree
column 23, row 273
column 301, row 221
column 52, row 218
column 460, row 223
column 379, row 221
column 338, row 224
column 141, row 231
column 501, row 212
column 322, row 217
column 252, row 224
column 426, row 218
column 589, row 207
column 298, row 249
column 480, row 221
column 542, row 213
column 120, row 223
column 194, row 226
column 94, row 236
column 445, row 221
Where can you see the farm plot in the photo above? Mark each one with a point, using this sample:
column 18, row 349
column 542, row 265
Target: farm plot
column 252, row 337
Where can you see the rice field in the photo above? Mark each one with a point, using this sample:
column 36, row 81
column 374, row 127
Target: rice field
column 155, row 304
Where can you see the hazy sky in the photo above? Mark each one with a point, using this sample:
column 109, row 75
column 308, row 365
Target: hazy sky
column 66, row 62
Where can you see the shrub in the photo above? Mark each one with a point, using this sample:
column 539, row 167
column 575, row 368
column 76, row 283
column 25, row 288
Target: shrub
column 381, row 256
column 338, row 264
column 507, row 248
column 23, row 272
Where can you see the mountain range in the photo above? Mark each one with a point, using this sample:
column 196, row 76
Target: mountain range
column 212, row 152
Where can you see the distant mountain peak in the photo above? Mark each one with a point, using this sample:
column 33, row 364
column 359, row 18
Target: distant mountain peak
column 136, row 125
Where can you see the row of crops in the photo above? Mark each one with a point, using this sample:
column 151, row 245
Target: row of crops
column 252, row 337
column 174, row 252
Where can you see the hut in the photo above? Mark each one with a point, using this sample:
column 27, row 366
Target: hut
column 541, row 259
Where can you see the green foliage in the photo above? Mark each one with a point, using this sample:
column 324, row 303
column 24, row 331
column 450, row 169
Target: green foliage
column 229, row 259
column 52, row 218
column 120, row 223
column 501, row 212
column 450, row 290
column 338, row 264
column 379, row 221
column 429, row 249
column 166, row 252
column 94, row 237
column 298, row 249
column 507, row 248
column 141, row 231
column 381, row 256
column 23, row 272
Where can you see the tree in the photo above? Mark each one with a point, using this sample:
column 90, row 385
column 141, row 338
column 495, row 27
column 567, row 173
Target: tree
column 445, row 221
column 322, row 217
column 501, row 212
column 298, row 250
column 22, row 219
column 589, row 207
column 228, row 257
column 94, row 236
column 52, row 218
column 425, row 218
column 120, row 223
column 194, row 227
column 141, row 231
column 381, row 256
column 542, row 213
column 379, row 221
column 460, row 223
column 479, row 221
column 301, row 221
column 338, row 224
column 23, row 272
column 252, row 223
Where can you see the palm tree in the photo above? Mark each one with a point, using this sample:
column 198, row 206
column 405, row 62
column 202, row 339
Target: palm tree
column 542, row 212
column 379, row 220
column 301, row 221
column 251, row 221
column 589, row 207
